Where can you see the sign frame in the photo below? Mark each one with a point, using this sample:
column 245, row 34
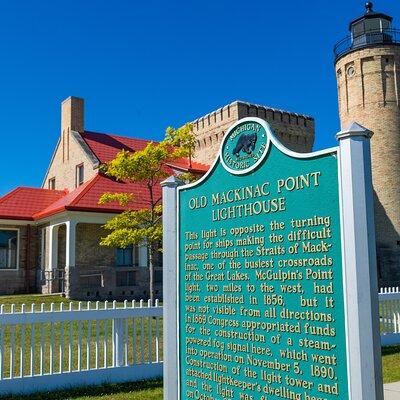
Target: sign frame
column 360, row 289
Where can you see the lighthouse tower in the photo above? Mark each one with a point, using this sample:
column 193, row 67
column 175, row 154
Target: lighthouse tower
column 367, row 66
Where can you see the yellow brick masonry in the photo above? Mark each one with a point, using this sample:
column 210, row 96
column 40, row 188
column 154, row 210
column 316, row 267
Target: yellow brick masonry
column 69, row 153
column 368, row 91
column 294, row 130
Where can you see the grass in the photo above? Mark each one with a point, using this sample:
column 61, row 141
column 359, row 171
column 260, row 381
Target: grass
column 147, row 390
column 391, row 364
column 38, row 299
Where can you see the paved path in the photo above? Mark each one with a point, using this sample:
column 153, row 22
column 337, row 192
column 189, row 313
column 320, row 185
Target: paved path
column 392, row 391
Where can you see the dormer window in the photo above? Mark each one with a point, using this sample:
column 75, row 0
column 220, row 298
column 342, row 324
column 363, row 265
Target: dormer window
column 79, row 175
column 52, row 183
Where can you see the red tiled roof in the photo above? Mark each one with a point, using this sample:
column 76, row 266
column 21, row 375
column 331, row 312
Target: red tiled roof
column 86, row 197
column 184, row 165
column 22, row 203
column 34, row 204
column 105, row 147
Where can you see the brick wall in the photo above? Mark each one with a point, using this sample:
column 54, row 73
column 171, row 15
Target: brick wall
column 368, row 91
column 96, row 276
column 68, row 153
column 295, row 131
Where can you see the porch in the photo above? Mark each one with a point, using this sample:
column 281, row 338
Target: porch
column 72, row 262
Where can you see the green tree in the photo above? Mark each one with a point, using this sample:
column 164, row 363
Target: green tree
column 182, row 138
column 133, row 227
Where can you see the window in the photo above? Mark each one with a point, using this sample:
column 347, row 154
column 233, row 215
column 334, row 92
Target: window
column 52, row 183
column 79, row 175
column 9, row 249
column 126, row 278
column 385, row 24
column 358, row 29
column 124, row 257
column 373, row 25
column 132, row 256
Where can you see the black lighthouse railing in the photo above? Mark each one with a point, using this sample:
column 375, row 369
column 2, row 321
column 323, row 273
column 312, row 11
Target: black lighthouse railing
column 370, row 38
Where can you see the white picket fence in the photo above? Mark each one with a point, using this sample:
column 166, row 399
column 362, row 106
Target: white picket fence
column 389, row 313
column 45, row 349
column 93, row 343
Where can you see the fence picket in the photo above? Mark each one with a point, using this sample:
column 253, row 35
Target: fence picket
column 97, row 344
column 126, row 336
column 134, row 338
column 105, row 343
column 41, row 349
column 1, row 351
column 12, row 347
column 150, row 334
column 51, row 352
column 79, row 345
column 141, row 335
column 32, row 357
column 88, row 341
column 157, row 336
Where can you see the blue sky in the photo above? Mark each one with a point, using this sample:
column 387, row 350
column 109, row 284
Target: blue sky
column 144, row 65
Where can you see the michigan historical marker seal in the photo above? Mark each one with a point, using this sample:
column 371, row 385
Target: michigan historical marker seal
column 245, row 146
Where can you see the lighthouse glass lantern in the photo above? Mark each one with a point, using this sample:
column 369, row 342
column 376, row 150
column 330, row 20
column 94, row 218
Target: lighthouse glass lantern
column 371, row 28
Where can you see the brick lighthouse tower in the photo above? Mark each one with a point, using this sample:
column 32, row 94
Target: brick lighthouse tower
column 368, row 77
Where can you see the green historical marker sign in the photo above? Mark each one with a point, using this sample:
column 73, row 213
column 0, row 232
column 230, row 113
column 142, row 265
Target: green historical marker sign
column 261, row 313
column 269, row 275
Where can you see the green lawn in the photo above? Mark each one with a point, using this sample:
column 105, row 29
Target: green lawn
column 391, row 364
column 148, row 390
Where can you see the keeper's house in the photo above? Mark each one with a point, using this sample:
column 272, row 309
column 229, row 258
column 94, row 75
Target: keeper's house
column 49, row 236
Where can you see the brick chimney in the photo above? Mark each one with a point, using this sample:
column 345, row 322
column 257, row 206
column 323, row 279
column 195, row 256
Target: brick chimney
column 71, row 120
column 72, row 115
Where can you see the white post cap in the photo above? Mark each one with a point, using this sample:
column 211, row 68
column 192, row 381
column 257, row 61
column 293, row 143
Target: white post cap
column 354, row 130
column 172, row 181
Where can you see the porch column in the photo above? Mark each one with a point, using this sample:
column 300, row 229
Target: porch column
column 53, row 247
column 43, row 249
column 70, row 252
column 70, row 243
column 53, row 259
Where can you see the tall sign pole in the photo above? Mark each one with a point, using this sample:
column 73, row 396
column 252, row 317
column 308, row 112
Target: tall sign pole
column 270, row 287
column 170, row 262
column 359, row 261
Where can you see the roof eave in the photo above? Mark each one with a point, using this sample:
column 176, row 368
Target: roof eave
column 17, row 218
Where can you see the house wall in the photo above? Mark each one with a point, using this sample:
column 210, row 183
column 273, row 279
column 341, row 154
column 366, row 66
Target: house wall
column 24, row 279
column 70, row 149
column 95, row 275
column 67, row 156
